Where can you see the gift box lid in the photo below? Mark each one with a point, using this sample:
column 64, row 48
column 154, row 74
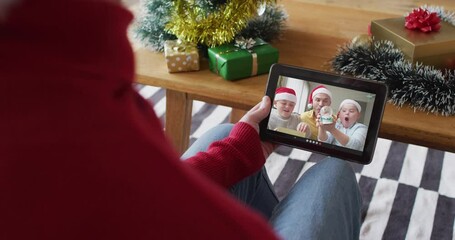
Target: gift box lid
column 177, row 47
column 415, row 43
column 260, row 47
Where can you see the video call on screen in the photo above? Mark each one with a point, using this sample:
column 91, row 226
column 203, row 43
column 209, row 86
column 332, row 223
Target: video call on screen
column 354, row 125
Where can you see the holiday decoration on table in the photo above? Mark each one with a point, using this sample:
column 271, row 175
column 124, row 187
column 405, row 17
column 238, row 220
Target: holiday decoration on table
column 190, row 23
column 181, row 56
column 423, row 20
column 420, row 84
column 268, row 26
column 421, row 35
column 244, row 58
column 208, row 22
column 150, row 25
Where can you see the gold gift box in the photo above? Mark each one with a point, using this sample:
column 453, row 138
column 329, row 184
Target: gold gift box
column 433, row 48
column 181, row 56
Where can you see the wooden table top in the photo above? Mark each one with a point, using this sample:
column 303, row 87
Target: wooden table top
column 315, row 31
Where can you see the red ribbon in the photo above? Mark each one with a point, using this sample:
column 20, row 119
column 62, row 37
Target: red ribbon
column 423, row 20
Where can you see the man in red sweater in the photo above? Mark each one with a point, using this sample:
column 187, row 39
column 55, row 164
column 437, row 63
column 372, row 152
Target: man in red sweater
column 82, row 155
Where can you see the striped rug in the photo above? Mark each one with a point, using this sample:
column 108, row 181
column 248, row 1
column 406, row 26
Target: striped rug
column 408, row 190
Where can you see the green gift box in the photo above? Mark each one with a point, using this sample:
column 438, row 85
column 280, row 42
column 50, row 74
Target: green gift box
column 433, row 48
column 242, row 59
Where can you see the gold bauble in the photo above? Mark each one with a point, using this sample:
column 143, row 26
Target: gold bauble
column 362, row 40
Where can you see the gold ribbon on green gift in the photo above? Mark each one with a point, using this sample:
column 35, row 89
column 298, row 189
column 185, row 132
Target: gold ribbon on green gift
column 242, row 44
column 248, row 44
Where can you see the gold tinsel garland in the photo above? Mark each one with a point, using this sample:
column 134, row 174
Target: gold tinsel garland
column 190, row 23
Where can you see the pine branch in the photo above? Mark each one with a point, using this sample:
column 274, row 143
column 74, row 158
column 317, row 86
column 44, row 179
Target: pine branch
column 269, row 26
column 422, row 87
column 150, row 26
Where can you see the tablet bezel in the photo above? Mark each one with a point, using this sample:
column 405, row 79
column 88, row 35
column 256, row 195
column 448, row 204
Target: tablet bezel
column 325, row 78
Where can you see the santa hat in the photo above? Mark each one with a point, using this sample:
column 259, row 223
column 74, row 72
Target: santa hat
column 317, row 90
column 284, row 93
column 350, row 101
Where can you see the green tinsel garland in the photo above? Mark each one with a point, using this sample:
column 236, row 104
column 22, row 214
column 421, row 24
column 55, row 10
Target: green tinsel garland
column 150, row 28
column 422, row 87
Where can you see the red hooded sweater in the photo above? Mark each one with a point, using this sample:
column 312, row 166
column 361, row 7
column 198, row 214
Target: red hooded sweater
column 82, row 155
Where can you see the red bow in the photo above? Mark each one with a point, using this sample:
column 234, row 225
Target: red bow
column 423, row 20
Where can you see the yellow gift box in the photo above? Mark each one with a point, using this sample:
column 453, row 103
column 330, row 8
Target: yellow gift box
column 181, row 56
column 433, row 48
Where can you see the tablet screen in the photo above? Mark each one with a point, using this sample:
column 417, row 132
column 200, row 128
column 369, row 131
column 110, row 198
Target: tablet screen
column 330, row 114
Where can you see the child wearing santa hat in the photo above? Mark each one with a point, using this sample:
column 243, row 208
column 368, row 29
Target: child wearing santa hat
column 319, row 97
column 346, row 132
column 282, row 114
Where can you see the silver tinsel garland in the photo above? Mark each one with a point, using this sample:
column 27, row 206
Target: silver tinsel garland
column 150, row 27
column 422, row 87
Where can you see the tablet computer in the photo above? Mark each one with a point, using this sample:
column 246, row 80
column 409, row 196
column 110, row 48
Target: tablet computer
column 334, row 115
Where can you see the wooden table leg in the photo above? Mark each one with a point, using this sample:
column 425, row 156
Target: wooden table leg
column 178, row 118
column 236, row 115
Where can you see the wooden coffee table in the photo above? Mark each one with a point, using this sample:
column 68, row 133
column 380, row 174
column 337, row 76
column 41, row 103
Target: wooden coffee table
column 314, row 33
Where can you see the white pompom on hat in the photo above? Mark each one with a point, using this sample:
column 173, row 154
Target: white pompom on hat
column 350, row 101
column 284, row 93
column 317, row 90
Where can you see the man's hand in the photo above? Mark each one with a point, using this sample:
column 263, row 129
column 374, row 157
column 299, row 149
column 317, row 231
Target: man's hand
column 302, row 127
column 325, row 127
column 256, row 115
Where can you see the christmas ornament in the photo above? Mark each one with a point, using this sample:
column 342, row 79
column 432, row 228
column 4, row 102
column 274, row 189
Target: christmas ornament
column 362, row 40
column 261, row 9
